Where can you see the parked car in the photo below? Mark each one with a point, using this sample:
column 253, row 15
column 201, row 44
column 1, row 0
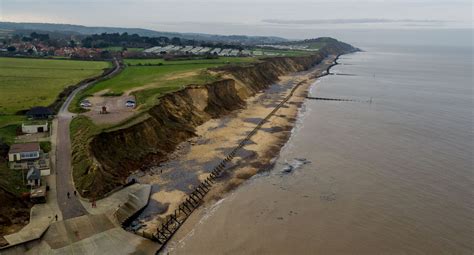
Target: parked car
column 130, row 104
column 85, row 103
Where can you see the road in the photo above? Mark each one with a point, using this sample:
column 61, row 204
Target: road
column 70, row 207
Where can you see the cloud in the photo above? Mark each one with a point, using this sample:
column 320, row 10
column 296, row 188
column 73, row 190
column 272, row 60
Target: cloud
column 352, row 21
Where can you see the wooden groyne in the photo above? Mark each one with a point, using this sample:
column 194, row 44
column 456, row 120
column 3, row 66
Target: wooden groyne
column 173, row 221
column 329, row 99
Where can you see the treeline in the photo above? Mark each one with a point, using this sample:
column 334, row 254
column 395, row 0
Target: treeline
column 36, row 36
column 126, row 40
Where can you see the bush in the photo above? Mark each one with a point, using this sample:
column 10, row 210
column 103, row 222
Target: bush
column 45, row 146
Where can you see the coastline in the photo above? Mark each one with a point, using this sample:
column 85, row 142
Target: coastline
column 369, row 187
column 218, row 136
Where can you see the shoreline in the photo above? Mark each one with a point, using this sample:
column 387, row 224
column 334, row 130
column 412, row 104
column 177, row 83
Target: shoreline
column 264, row 130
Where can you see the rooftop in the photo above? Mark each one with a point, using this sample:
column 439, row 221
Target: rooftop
column 24, row 147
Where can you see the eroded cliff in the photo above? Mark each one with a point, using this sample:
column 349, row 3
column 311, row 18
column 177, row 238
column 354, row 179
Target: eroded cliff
column 108, row 158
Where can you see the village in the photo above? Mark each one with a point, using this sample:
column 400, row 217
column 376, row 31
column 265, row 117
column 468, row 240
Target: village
column 73, row 47
column 30, row 154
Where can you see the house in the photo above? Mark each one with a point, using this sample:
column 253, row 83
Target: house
column 39, row 113
column 34, row 128
column 33, row 177
column 24, row 156
column 24, row 151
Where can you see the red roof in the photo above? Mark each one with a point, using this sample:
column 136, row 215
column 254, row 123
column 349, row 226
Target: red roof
column 24, row 147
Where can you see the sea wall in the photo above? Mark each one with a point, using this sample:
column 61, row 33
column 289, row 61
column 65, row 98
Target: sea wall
column 116, row 154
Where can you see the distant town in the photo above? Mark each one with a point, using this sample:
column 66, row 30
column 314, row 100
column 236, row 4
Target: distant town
column 105, row 46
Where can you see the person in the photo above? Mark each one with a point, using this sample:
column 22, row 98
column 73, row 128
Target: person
column 56, row 217
column 93, row 204
column 75, row 193
column 68, row 195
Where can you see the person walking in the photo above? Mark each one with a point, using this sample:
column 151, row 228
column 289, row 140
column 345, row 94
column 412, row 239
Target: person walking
column 75, row 193
column 68, row 195
column 56, row 217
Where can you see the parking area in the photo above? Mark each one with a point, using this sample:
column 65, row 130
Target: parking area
column 110, row 110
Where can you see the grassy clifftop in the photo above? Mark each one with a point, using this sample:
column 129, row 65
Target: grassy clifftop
column 105, row 158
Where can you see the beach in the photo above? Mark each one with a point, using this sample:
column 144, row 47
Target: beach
column 193, row 159
column 389, row 177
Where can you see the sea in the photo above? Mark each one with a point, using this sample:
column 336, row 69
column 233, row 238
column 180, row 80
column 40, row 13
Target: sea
column 389, row 172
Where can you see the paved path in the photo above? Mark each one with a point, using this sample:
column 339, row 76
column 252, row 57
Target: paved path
column 70, row 207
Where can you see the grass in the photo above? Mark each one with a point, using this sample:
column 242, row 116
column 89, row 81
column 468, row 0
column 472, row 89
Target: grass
column 117, row 48
column 8, row 133
column 45, row 146
column 8, row 126
column 165, row 75
column 148, row 79
column 11, row 180
column 6, row 120
column 37, row 82
column 82, row 129
column 219, row 61
column 286, row 53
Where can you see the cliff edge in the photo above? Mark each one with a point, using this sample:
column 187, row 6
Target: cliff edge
column 103, row 161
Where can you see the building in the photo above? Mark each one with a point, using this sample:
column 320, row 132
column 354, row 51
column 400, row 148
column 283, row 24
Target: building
column 34, row 128
column 234, row 53
column 24, row 156
column 23, row 152
column 33, row 177
column 39, row 113
column 216, row 51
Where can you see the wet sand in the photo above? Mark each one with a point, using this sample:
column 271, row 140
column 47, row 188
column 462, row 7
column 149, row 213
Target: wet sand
column 195, row 158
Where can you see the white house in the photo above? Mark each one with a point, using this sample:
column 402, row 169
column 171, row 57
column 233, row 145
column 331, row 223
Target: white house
column 24, row 151
column 34, row 128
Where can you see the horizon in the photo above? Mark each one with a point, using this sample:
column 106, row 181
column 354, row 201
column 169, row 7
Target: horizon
column 247, row 18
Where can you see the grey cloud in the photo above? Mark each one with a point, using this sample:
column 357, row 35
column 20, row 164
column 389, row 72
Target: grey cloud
column 349, row 21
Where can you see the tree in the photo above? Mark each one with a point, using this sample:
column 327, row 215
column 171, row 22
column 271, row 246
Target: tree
column 72, row 43
column 11, row 48
column 105, row 54
column 26, row 39
column 40, row 37
column 176, row 41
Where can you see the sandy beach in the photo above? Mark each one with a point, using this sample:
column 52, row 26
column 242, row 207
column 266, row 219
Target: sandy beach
column 195, row 158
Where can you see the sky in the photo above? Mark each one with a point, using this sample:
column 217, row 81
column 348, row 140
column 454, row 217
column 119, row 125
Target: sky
column 289, row 18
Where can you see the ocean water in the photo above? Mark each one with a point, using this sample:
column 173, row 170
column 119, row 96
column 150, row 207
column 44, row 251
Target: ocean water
column 393, row 175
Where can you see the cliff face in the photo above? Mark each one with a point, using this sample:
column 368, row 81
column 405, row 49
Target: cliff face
column 173, row 120
column 14, row 213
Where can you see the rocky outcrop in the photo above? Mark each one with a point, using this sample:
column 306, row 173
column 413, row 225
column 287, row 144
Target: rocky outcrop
column 174, row 119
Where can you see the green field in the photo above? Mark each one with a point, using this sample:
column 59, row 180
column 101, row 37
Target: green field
column 27, row 82
column 116, row 48
column 150, row 78
column 282, row 53
column 37, row 82
column 217, row 61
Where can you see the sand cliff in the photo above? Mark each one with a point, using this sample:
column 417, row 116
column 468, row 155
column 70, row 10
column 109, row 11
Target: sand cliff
column 112, row 156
